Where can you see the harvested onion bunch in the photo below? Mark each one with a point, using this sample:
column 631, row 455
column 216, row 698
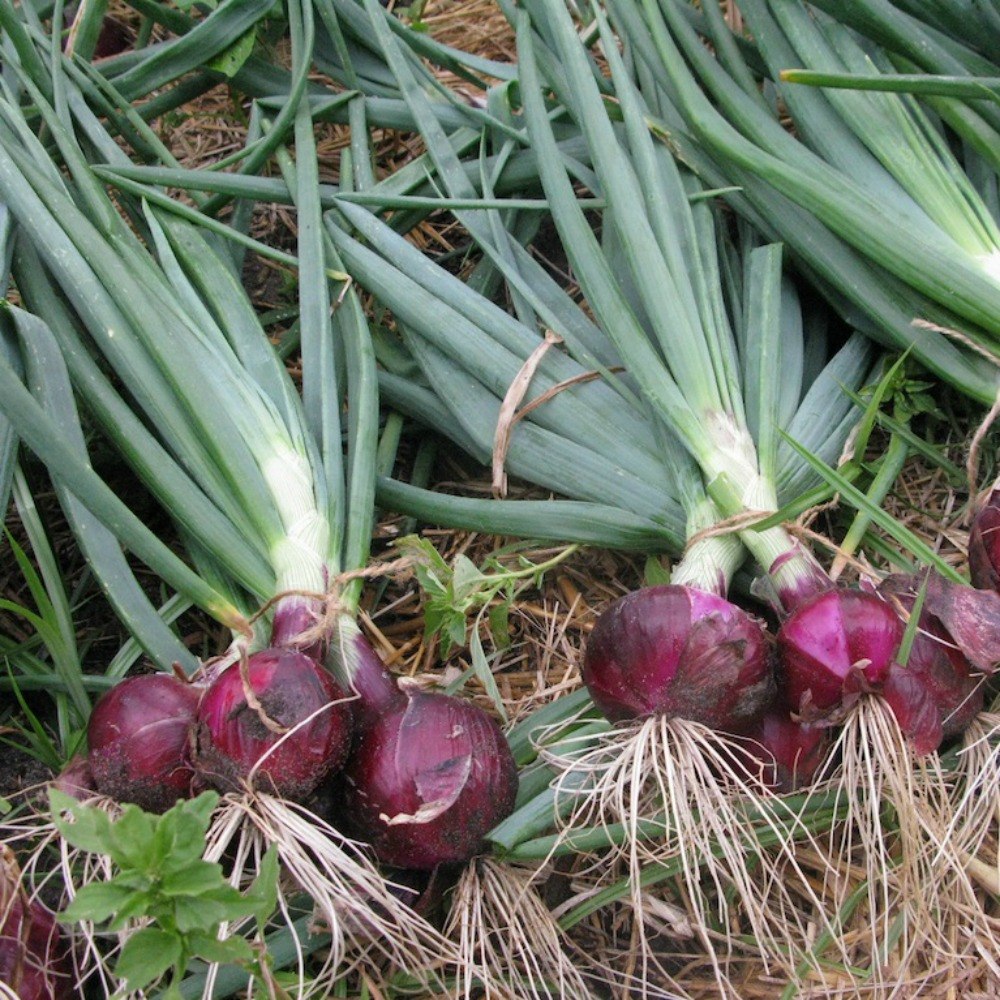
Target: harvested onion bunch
column 275, row 514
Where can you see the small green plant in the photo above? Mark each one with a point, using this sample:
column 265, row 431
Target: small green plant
column 162, row 878
column 456, row 592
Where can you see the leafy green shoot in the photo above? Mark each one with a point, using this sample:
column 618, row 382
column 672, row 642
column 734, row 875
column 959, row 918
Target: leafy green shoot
column 457, row 591
column 163, row 880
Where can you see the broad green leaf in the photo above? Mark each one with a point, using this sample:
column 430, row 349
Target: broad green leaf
column 233, row 950
column 455, row 631
column 499, row 618
column 196, row 878
column 206, row 911
column 85, row 827
column 262, row 895
column 130, row 839
column 141, row 903
column 147, row 955
column 466, row 579
column 422, row 552
column 97, row 902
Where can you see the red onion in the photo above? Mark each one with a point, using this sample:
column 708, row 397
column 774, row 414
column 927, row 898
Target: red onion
column 678, row 651
column 376, row 689
column 984, row 544
column 234, row 735
column 139, row 741
column 34, row 957
column 791, row 753
column 935, row 696
column 837, row 644
column 428, row 780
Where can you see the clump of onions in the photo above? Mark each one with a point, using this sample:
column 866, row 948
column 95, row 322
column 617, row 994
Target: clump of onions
column 790, row 753
column 428, row 779
column 34, row 956
column 685, row 674
column 139, row 740
column 674, row 650
column 277, row 721
column 845, row 643
column 842, row 661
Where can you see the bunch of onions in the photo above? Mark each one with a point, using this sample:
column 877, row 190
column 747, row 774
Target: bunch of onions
column 275, row 516
column 883, row 755
column 682, row 670
column 896, row 691
column 659, row 323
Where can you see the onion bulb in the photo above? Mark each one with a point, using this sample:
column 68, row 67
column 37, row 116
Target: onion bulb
column 791, row 754
column 836, row 645
column 34, row 956
column 277, row 721
column 673, row 650
column 428, row 780
column 139, row 741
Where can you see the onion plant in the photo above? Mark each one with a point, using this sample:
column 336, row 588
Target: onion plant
column 872, row 145
column 272, row 497
column 699, row 398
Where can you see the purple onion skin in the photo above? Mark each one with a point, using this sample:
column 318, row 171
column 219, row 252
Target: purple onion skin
column 984, row 544
column 807, row 583
column 292, row 621
column 231, row 737
column 677, row 651
column 427, row 781
column 790, row 753
column 139, row 739
column 936, row 695
column 374, row 687
column 833, row 646
column 76, row 779
column 34, row 957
